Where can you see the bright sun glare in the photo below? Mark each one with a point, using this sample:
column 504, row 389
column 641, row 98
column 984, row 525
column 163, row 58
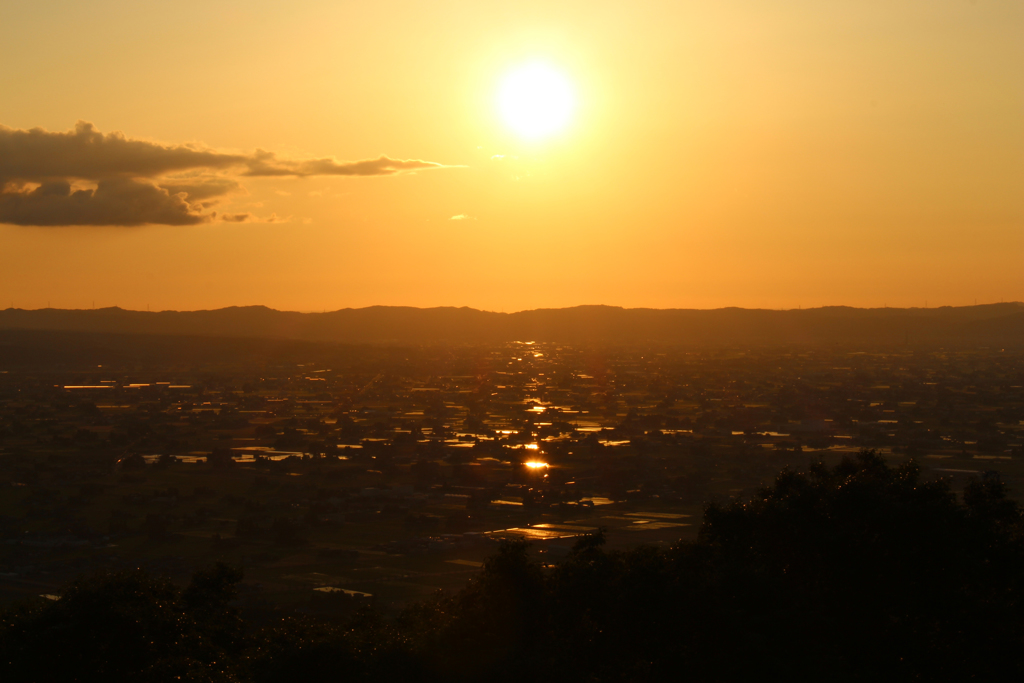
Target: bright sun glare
column 536, row 101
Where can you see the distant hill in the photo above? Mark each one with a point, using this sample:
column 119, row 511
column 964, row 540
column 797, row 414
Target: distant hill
column 991, row 323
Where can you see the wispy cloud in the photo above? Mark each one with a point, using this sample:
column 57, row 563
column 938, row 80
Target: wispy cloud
column 268, row 164
column 252, row 218
column 137, row 182
column 462, row 217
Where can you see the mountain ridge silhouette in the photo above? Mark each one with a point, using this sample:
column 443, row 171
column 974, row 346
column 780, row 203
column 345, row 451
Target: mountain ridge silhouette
column 995, row 323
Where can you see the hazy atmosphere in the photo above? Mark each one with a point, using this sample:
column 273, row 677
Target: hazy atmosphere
column 477, row 342
column 321, row 155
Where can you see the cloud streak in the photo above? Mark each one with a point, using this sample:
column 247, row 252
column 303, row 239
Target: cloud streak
column 137, row 182
column 267, row 164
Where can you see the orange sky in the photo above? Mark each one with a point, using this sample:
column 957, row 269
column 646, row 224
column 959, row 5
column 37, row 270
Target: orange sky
column 736, row 153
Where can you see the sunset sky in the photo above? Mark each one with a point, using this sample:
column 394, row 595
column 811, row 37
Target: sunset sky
column 316, row 155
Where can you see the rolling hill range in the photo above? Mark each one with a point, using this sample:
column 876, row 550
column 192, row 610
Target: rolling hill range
column 984, row 324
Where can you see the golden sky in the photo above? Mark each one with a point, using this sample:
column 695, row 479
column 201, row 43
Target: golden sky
column 321, row 154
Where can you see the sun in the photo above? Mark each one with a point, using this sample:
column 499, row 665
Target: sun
column 536, row 101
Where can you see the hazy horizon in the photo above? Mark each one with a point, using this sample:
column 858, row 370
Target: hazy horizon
column 524, row 310
column 473, row 341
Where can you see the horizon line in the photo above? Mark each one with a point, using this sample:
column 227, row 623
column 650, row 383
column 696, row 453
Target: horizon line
column 502, row 312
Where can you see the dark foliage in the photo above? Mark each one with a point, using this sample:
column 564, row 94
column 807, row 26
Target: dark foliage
column 126, row 626
column 854, row 573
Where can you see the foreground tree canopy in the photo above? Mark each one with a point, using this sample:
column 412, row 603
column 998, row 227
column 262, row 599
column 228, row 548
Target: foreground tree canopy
column 858, row 572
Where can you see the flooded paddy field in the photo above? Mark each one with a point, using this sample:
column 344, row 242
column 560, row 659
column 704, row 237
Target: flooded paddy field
column 384, row 475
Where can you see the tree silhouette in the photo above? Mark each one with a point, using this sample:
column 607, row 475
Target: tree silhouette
column 126, row 626
column 859, row 572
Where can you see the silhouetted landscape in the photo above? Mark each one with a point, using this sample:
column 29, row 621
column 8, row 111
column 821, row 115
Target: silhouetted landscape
column 992, row 323
column 476, row 342
column 270, row 509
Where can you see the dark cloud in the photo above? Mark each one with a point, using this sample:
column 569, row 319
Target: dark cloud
column 138, row 182
column 114, row 201
column 38, row 155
